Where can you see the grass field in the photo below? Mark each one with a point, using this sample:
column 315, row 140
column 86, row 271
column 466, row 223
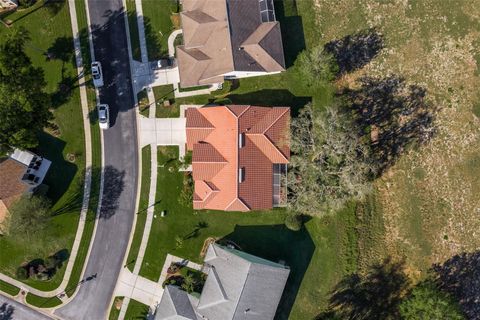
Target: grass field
column 136, row 310
column 429, row 199
column 133, row 28
column 41, row 302
column 8, row 288
column 142, row 207
column 115, row 310
column 50, row 25
column 160, row 19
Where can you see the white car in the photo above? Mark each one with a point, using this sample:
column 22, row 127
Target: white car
column 103, row 116
column 97, row 74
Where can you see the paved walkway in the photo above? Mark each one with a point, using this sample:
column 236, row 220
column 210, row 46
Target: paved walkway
column 171, row 42
column 139, row 288
column 88, row 173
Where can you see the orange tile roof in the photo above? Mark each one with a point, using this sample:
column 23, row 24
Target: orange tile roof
column 217, row 156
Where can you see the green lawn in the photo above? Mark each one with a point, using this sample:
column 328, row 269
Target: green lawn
column 163, row 93
column 41, row 302
column 133, row 27
column 8, row 288
column 96, row 159
column 159, row 23
column 115, row 310
column 142, row 207
column 136, row 310
column 50, row 24
column 318, row 255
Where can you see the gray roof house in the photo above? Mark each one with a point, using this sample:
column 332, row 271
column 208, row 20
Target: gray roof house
column 228, row 39
column 238, row 286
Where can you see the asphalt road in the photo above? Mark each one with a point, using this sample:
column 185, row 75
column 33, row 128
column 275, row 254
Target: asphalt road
column 121, row 163
column 12, row 310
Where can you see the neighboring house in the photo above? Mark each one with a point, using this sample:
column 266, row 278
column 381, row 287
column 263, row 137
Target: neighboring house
column 20, row 173
column 228, row 39
column 238, row 286
column 8, row 5
column 239, row 156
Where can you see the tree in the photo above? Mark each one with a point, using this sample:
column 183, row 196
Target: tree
column 330, row 164
column 316, row 67
column 24, row 110
column 293, row 221
column 426, row 301
column 28, row 216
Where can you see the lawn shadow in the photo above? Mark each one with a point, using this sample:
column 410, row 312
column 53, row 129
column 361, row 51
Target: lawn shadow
column 61, row 172
column 291, row 25
column 276, row 243
column 373, row 296
column 271, row 97
column 74, row 203
column 154, row 47
column 460, row 276
column 112, row 188
column 392, row 115
column 63, row 49
column 355, row 51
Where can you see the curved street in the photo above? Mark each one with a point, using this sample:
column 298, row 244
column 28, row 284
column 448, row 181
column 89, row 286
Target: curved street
column 120, row 166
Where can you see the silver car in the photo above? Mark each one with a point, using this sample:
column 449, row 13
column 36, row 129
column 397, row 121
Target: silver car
column 103, row 116
column 97, row 74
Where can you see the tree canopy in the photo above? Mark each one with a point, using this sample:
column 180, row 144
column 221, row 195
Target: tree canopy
column 426, row 301
column 28, row 216
column 330, row 164
column 24, row 106
column 315, row 67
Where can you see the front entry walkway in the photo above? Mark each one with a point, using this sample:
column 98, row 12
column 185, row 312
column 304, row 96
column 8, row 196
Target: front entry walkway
column 138, row 288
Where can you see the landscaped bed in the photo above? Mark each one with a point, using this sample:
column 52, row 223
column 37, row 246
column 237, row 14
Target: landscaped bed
column 186, row 278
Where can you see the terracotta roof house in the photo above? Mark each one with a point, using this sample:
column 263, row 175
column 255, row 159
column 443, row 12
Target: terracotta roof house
column 228, row 39
column 239, row 154
column 238, row 286
column 20, row 172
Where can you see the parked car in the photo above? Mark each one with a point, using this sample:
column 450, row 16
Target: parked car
column 103, row 116
column 163, row 64
column 97, row 74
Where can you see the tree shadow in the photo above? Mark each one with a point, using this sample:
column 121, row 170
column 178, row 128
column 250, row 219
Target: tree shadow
column 271, row 97
column 113, row 186
column 291, row 25
column 154, row 45
column 6, row 311
column 117, row 89
column 276, row 243
column 376, row 295
column 355, row 51
column 460, row 276
column 61, row 172
column 392, row 115
column 54, row 6
column 62, row 49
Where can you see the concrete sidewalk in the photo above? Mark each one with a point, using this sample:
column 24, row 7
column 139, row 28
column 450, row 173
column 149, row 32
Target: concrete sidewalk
column 138, row 288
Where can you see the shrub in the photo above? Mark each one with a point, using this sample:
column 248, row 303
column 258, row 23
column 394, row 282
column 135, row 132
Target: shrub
column 186, row 195
column 22, row 273
column 293, row 221
column 51, row 262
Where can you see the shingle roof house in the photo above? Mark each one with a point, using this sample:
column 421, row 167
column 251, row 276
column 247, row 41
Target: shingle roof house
column 21, row 172
column 238, row 286
column 228, row 39
column 237, row 151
